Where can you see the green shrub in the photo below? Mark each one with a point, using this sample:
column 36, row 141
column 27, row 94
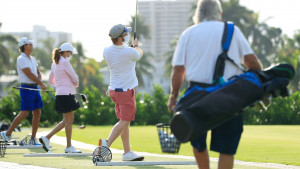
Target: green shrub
column 151, row 109
column 283, row 110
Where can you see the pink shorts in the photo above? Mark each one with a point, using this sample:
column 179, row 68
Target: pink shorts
column 125, row 105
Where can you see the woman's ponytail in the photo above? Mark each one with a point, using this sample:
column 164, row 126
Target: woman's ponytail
column 56, row 55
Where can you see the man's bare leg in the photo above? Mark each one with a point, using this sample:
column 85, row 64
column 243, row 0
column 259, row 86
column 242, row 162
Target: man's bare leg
column 17, row 120
column 116, row 131
column 225, row 161
column 202, row 159
column 125, row 139
column 36, row 115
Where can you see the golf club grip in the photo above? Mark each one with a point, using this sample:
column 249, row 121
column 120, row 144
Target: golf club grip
column 134, row 35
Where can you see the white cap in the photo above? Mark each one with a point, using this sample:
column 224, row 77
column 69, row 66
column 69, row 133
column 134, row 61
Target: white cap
column 67, row 47
column 24, row 41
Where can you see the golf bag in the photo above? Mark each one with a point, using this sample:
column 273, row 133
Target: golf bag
column 202, row 109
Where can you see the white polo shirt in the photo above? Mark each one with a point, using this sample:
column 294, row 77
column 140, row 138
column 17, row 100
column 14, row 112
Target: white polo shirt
column 24, row 62
column 121, row 61
column 199, row 47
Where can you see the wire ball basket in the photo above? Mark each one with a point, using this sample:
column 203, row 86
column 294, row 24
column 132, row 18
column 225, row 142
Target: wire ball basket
column 168, row 142
column 2, row 148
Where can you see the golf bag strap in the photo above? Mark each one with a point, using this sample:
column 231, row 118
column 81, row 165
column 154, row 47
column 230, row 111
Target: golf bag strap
column 227, row 35
column 226, row 41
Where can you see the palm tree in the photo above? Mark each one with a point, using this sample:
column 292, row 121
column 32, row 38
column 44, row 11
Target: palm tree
column 169, row 55
column 144, row 68
column 78, row 62
column 290, row 53
column 87, row 70
column 5, row 54
column 5, row 57
column 43, row 55
column 264, row 40
column 142, row 30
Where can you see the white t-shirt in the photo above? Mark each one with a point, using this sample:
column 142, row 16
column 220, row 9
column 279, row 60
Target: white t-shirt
column 121, row 61
column 199, row 47
column 24, row 62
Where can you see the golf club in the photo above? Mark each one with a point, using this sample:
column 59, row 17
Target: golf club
column 83, row 97
column 136, row 6
column 25, row 88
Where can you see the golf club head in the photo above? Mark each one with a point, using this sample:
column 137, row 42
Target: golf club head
column 83, row 97
column 102, row 154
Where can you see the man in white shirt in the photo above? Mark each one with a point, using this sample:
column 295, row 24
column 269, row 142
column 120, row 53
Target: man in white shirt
column 195, row 58
column 30, row 77
column 121, row 61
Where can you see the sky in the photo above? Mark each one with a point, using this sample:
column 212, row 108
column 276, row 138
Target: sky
column 89, row 21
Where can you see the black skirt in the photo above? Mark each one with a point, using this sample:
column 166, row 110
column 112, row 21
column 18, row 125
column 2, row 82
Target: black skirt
column 66, row 103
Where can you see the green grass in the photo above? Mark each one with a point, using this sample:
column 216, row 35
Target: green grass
column 145, row 139
column 273, row 144
column 277, row 144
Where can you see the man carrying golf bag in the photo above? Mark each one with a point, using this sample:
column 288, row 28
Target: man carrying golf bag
column 195, row 58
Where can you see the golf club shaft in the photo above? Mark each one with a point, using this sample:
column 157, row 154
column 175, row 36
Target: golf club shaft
column 48, row 91
column 136, row 6
column 51, row 96
column 25, row 88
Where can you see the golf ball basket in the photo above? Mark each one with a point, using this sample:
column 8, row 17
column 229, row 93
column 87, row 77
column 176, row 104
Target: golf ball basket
column 2, row 148
column 168, row 142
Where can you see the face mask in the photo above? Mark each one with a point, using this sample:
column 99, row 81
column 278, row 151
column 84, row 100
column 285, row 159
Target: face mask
column 69, row 58
column 126, row 39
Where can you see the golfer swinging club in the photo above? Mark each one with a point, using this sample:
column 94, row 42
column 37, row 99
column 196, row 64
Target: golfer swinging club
column 121, row 61
column 30, row 77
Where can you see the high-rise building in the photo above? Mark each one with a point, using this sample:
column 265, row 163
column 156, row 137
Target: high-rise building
column 41, row 33
column 167, row 19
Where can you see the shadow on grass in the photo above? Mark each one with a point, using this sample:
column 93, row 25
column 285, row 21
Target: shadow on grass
column 81, row 158
column 145, row 167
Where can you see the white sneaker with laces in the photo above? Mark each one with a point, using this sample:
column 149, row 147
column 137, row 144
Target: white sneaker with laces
column 4, row 136
column 103, row 142
column 72, row 149
column 45, row 142
column 131, row 156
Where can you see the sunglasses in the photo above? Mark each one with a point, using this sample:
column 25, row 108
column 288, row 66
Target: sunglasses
column 125, row 30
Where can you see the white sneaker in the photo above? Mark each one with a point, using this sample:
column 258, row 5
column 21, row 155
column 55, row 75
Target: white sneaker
column 72, row 149
column 4, row 136
column 103, row 142
column 131, row 156
column 45, row 142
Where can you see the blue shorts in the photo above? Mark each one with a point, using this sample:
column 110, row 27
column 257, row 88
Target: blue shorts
column 30, row 99
column 224, row 138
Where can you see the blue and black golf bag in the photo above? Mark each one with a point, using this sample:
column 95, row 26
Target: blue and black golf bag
column 204, row 108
